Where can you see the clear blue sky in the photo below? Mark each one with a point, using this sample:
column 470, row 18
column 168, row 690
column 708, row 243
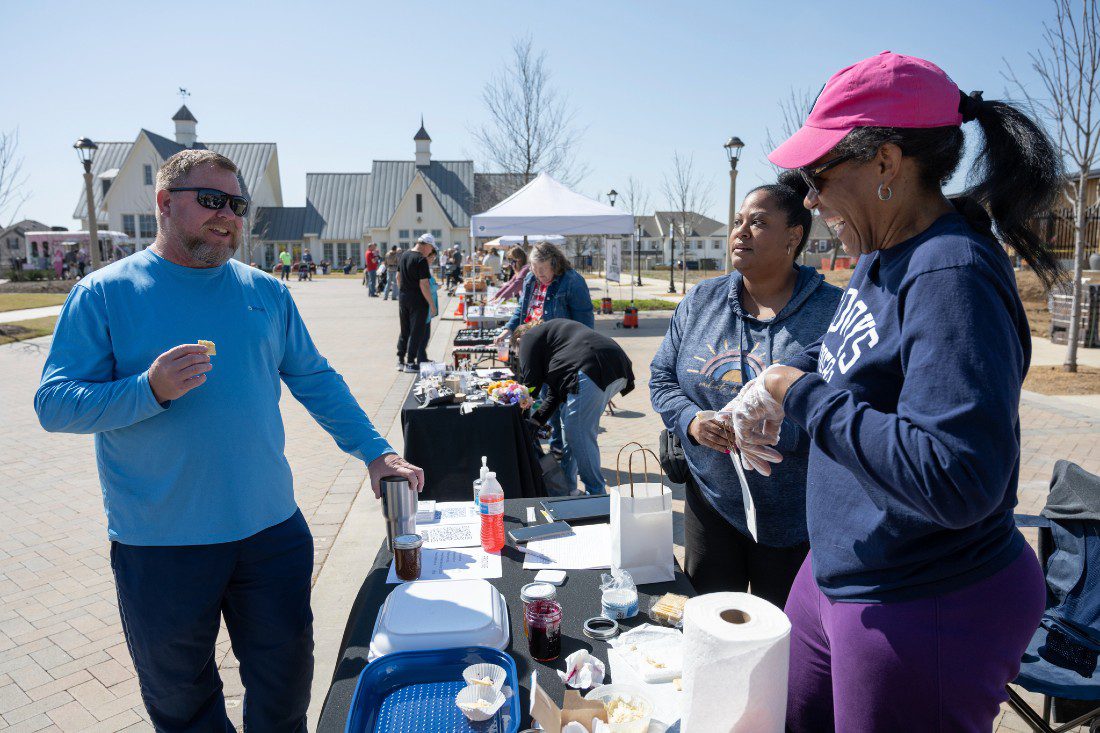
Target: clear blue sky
column 337, row 85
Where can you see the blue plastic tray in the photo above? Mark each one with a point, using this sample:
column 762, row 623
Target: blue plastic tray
column 414, row 692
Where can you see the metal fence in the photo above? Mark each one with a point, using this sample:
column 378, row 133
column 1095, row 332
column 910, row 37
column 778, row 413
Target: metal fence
column 1057, row 230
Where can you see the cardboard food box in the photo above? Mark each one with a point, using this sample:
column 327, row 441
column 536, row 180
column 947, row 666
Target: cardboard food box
column 575, row 709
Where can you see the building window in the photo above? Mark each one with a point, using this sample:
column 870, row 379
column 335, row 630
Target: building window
column 419, row 203
column 269, row 256
column 341, row 252
column 354, row 254
column 147, row 225
column 718, row 244
column 403, row 245
column 402, row 233
column 327, row 247
column 148, row 170
column 13, row 243
column 438, row 234
column 34, row 249
column 418, row 232
column 128, row 227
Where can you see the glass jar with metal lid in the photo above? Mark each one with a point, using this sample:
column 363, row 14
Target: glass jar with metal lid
column 532, row 592
column 406, row 556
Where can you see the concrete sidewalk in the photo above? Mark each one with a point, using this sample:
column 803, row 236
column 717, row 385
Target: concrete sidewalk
column 28, row 313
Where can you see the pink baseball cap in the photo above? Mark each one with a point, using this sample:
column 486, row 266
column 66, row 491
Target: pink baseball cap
column 887, row 90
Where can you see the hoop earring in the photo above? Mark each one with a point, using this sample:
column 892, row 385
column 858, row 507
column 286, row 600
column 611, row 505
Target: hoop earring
column 885, row 195
column 788, row 249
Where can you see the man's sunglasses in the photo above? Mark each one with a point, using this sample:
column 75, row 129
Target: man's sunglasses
column 215, row 200
column 812, row 176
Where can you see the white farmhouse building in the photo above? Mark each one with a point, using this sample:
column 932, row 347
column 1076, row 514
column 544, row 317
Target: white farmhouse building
column 125, row 174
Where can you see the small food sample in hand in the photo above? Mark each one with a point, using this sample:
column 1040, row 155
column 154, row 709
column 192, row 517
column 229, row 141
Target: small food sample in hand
column 210, row 348
column 624, row 710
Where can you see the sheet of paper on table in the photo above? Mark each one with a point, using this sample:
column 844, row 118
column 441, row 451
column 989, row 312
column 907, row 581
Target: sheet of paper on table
column 456, row 524
column 454, row 564
column 487, row 373
column 587, row 548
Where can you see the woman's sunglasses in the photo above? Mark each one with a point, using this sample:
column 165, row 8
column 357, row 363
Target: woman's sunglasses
column 812, row 176
column 215, row 200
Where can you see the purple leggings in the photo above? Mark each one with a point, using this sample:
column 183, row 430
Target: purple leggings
column 931, row 664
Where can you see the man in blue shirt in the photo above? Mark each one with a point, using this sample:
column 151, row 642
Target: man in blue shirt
column 189, row 441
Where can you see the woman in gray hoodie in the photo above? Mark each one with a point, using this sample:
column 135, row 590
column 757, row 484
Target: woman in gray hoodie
column 726, row 331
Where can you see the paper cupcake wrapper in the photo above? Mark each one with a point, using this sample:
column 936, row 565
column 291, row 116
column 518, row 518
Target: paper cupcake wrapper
column 474, row 673
column 474, row 693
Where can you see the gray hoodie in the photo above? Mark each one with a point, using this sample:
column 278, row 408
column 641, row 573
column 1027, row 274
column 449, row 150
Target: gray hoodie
column 713, row 347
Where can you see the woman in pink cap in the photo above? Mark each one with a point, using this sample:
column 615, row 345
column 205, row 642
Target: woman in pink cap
column 920, row 595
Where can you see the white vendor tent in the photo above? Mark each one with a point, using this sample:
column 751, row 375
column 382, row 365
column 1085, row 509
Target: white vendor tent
column 514, row 239
column 545, row 206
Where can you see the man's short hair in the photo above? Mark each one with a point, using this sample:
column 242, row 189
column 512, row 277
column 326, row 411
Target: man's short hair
column 176, row 169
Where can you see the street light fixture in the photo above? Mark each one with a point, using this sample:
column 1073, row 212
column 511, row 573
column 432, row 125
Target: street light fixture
column 733, row 147
column 612, row 195
column 85, row 151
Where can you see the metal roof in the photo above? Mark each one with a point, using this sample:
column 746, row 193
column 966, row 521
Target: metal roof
column 107, row 156
column 183, row 115
column 251, row 158
column 337, row 204
column 450, row 181
column 492, row 188
column 280, row 223
column 701, row 226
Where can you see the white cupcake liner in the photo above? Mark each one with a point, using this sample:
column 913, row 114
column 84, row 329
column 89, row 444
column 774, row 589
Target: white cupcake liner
column 476, row 672
column 474, row 693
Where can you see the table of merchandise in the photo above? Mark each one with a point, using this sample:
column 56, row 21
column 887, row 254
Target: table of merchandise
column 449, row 445
column 579, row 597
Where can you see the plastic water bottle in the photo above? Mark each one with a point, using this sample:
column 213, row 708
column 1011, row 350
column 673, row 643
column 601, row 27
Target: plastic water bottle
column 492, row 514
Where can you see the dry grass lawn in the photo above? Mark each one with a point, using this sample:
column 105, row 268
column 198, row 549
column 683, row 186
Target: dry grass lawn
column 19, row 301
column 1052, row 380
column 21, row 330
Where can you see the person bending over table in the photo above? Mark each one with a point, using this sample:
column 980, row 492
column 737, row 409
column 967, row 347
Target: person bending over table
column 922, row 595
column 582, row 370
column 552, row 289
column 724, row 333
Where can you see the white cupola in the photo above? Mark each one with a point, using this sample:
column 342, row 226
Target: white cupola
column 185, row 127
column 423, row 146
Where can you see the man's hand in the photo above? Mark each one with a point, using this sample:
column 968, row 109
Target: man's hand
column 432, row 313
column 502, row 337
column 178, row 371
column 713, row 434
column 391, row 464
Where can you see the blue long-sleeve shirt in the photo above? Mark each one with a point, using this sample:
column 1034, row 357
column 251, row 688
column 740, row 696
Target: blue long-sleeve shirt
column 567, row 296
column 209, row 466
column 913, row 412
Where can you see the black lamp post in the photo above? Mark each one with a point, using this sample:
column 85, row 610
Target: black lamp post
column 733, row 147
column 85, row 151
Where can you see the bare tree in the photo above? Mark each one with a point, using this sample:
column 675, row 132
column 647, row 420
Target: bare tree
column 687, row 194
column 636, row 200
column 1068, row 64
column 531, row 126
column 793, row 111
column 12, row 181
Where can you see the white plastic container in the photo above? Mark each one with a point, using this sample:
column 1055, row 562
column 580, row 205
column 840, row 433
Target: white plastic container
column 440, row 614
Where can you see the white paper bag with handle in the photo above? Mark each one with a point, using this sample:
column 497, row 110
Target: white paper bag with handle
column 641, row 523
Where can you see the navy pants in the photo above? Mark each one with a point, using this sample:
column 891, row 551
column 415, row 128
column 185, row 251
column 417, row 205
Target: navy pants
column 171, row 600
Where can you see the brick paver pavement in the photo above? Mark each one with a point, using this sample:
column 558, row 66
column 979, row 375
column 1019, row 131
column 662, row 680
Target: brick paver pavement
column 63, row 661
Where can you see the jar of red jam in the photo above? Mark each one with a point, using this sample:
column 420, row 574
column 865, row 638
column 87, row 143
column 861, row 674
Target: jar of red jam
column 544, row 630
column 406, row 556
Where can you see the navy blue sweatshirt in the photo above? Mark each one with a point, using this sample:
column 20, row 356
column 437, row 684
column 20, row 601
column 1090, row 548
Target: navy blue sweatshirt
column 713, row 347
column 912, row 408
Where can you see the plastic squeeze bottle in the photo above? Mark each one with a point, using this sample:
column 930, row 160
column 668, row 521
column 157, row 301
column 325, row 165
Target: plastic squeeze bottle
column 492, row 514
column 480, row 481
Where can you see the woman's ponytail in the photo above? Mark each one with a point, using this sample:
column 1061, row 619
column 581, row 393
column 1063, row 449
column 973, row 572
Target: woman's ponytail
column 1017, row 176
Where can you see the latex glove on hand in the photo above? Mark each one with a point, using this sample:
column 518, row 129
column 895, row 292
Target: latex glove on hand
column 757, row 458
column 756, row 416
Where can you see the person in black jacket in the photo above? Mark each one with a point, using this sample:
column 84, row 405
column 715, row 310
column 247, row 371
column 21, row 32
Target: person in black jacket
column 582, row 370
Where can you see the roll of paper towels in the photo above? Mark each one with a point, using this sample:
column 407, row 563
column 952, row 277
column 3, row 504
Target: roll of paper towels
column 736, row 653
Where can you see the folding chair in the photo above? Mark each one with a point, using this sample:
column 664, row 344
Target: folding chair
column 1060, row 662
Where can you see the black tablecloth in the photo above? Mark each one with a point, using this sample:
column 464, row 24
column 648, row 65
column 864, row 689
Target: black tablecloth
column 449, row 446
column 579, row 596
